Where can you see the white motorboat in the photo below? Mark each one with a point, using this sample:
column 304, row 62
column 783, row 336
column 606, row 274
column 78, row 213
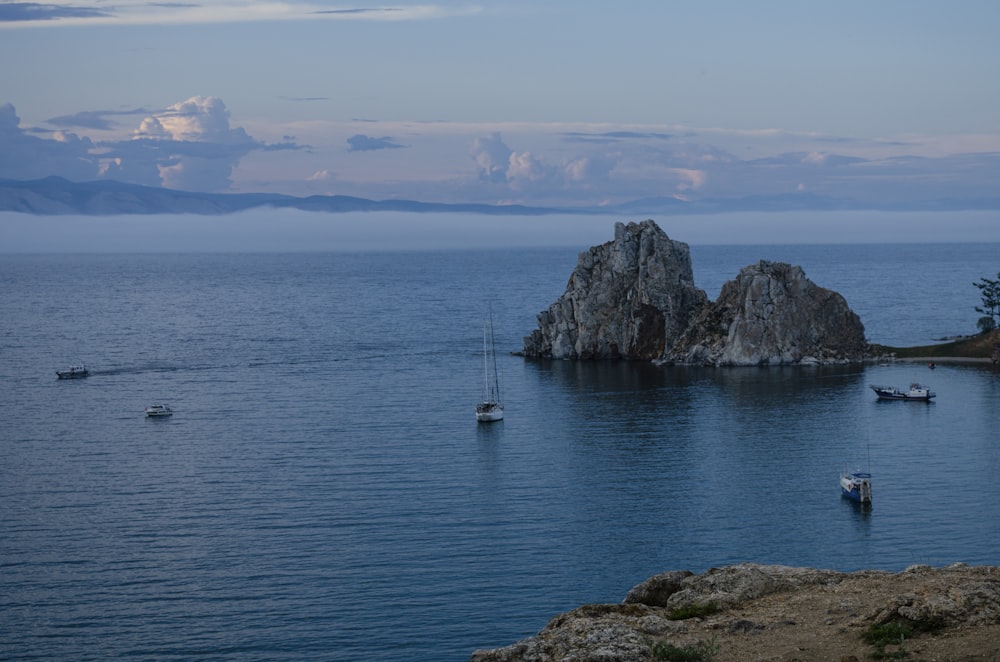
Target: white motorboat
column 154, row 411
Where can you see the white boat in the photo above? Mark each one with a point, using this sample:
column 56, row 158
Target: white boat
column 154, row 411
column 73, row 372
column 856, row 486
column 490, row 408
column 915, row 392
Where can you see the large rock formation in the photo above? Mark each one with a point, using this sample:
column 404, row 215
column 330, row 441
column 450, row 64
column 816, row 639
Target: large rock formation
column 772, row 315
column 635, row 298
column 772, row 612
column 628, row 298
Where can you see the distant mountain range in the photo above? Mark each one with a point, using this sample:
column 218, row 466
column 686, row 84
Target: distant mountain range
column 55, row 196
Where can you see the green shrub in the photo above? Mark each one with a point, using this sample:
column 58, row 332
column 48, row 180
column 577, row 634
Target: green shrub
column 887, row 634
column 692, row 611
column 701, row 652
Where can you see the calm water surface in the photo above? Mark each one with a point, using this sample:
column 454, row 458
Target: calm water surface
column 324, row 492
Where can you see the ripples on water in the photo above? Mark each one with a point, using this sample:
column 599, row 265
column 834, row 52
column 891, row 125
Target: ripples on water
column 323, row 490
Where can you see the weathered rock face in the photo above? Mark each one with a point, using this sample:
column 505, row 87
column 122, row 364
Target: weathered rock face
column 773, row 612
column 629, row 298
column 772, row 315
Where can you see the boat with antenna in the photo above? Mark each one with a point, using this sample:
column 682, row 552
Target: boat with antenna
column 490, row 408
column 856, row 486
column 915, row 392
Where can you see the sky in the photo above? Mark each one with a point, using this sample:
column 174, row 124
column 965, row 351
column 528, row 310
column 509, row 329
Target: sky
column 557, row 103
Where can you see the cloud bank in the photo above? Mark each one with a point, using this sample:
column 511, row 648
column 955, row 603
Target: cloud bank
column 189, row 145
column 193, row 145
column 138, row 12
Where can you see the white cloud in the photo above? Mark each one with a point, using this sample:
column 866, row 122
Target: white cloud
column 140, row 12
column 320, row 176
column 492, row 157
column 524, row 167
column 188, row 145
column 690, row 180
column 196, row 174
column 199, row 119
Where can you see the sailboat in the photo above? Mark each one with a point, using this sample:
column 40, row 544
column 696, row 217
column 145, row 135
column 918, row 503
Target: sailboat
column 490, row 408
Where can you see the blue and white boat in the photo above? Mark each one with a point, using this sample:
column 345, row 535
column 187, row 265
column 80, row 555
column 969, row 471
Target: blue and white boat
column 915, row 392
column 856, row 486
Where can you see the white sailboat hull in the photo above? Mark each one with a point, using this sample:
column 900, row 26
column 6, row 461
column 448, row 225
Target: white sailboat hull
column 490, row 408
column 489, row 412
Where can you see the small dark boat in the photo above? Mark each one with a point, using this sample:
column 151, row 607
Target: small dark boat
column 73, row 372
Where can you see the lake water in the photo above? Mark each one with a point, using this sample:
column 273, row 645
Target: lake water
column 324, row 492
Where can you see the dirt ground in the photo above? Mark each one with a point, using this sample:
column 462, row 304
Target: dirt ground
column 826, row 623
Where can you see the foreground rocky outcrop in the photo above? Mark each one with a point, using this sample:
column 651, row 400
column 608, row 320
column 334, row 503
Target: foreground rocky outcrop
column 635, row 298
column 769, row 612
column 628, row 298
column 771, row 314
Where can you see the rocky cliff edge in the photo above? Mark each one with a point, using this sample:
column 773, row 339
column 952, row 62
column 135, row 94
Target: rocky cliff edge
column 772, row 612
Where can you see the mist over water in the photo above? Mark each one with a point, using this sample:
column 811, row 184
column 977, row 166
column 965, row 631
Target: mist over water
column 268, row 230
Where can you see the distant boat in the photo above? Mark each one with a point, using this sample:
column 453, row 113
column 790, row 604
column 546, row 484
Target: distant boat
column 490, row 408
column 73, row 372
column 916, row 392
column 856, row 486
column 154, row 411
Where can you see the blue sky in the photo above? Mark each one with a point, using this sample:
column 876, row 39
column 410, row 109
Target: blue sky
column 558, row 103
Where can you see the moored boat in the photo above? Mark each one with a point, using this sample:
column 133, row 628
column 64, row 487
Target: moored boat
column 490, row 408
column 73, row 372
column 154, row 411
column 856, row 486
column 915, row 392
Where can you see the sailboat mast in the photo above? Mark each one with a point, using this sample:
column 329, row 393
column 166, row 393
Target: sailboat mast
column 486, row 368
column 493, row 351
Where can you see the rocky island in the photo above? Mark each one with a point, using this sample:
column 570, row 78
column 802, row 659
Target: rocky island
column 769, row 612
column 634, row 298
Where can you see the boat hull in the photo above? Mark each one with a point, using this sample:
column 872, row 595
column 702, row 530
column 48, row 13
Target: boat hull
column 857, row 487
column 72, row 374
column 489, row 412
column 918, row 394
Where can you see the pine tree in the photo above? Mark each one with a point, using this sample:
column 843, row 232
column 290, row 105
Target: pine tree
column 989, row 289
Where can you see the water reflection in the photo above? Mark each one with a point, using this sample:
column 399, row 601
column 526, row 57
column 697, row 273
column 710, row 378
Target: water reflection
column 748, row 459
